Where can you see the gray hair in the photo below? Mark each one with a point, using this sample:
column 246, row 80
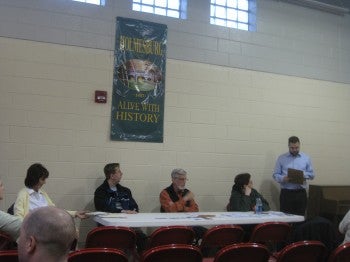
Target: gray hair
column 178, row 171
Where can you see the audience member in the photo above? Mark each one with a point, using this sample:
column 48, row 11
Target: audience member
column 293, row 197
column 47, row 234
column 32, row 196
column 115, row 198
column 344, row 227
column 9, row 224
column 243, row 195
column 176, row 198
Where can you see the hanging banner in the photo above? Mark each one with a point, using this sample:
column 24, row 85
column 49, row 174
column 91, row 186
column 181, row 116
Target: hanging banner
column 138, row 81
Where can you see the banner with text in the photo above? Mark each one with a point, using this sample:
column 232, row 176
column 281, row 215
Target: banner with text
column 138, row 81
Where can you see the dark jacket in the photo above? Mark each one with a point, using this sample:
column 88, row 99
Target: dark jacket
column 317, row 228
column 106, row 199
column 241, row 202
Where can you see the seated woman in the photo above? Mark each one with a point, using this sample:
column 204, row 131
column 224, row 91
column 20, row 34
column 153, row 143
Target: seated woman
column 243, row 195
column 32, row 196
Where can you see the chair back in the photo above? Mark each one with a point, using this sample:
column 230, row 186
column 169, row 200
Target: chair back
column 172, row 253
column 97, row 254
column 6, row 241
column 220, row 236
column 310, row 251
column 317, row 228
column 171, row 235
column 340, row 254
column 9, row 256
column 111, row 237
column 271, row 234
column 11, row 208
column 248, row 252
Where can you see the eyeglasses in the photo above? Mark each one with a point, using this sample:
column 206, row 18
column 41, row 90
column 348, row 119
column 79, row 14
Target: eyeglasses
column 181, row 178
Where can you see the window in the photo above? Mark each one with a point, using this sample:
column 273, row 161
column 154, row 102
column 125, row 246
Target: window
column 171, row 8
column 239, row 14
column 95, row 2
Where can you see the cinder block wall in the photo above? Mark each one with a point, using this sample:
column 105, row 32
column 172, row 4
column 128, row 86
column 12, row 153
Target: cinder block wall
column 289, row 40
column 219, row 121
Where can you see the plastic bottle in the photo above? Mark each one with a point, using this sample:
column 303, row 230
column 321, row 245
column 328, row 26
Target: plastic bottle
column 258, row 206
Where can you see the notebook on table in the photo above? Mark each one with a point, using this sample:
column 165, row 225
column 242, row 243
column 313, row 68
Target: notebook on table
column 295, row 176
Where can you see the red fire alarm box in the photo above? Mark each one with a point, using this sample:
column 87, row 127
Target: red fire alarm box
column 100, row 96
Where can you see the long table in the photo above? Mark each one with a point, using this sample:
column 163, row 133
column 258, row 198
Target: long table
column 193, row 219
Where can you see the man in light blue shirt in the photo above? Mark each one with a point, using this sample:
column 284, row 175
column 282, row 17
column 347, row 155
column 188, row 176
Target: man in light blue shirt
column 293, row 197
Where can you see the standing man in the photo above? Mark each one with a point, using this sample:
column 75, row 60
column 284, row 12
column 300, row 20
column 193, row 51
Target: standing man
column 176, row 198
column 114, row 198
column 47, row 233
column 293, row 197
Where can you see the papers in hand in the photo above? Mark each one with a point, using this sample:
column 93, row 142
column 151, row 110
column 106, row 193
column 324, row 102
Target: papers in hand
column 295, row 176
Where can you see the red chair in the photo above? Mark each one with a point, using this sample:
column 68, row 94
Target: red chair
column 9, row 256
column 123, row 238
column 309, row 251
column 97, row 254
column 340, row 254
column 220, row 236
column 171, row 235
column 173, row 253
column 271, row 234
column 6, row 241
column 247, row 252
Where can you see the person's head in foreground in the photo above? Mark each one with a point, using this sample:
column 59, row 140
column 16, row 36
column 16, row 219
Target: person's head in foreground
column 47, row 234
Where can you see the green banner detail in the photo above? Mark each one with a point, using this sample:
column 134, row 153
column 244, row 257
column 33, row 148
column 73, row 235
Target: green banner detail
column 138, row 81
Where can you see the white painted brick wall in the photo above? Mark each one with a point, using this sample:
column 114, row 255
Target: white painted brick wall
column 289, row 40
column 219, row 121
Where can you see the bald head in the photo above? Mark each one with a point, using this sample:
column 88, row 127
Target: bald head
column 46, row 233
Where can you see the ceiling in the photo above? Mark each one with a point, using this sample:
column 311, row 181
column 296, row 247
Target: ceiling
column 339, row 7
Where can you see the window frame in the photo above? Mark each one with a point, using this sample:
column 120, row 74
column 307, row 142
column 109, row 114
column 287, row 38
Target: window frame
column 235, row 23
column 182, row 10
column 101, row 2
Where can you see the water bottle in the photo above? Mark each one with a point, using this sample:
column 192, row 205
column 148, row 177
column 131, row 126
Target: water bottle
column 258, row 206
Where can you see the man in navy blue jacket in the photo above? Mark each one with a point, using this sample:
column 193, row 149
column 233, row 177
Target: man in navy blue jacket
column 113, row 198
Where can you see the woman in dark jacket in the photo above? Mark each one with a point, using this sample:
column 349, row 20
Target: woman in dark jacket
column 243, row 195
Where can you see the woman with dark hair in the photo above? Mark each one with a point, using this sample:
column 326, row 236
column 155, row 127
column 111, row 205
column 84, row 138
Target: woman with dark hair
column 243, row 195
column 32, row 196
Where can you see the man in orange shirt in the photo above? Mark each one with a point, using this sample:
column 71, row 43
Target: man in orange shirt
column 176, row 198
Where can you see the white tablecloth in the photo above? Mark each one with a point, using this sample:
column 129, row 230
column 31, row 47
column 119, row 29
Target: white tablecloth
column 192, row 219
